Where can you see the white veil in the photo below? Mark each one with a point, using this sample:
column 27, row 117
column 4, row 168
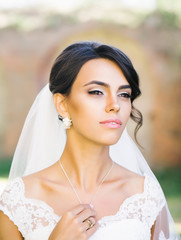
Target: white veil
column 42, row 142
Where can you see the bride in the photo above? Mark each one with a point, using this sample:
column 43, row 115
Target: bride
column 92, row 182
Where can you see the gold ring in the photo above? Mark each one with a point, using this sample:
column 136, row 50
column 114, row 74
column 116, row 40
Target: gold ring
column 90, row 223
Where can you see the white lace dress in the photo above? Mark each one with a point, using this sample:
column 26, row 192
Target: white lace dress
column 133, row 221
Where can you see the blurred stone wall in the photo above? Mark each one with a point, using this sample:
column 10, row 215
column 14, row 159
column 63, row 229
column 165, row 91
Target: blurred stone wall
column 26, row 59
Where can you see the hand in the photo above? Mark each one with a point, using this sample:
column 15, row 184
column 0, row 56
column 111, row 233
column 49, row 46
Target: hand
column 76, row 224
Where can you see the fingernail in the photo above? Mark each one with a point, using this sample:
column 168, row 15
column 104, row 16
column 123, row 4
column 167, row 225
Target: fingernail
column 91, row 205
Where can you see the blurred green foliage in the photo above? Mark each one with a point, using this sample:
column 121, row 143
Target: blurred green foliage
column 5, row 165
column 167, row 13
column 170, row 180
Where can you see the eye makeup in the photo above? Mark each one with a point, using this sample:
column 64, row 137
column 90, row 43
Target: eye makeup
column 95, row 92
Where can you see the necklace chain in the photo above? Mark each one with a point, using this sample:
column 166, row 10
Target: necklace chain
column 93, row 197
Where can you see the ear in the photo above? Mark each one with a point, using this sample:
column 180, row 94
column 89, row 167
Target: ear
column 60, row 104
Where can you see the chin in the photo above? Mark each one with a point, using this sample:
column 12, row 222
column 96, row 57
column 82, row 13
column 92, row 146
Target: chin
column 111, row 140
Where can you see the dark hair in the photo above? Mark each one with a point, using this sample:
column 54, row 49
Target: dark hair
column 68, row 64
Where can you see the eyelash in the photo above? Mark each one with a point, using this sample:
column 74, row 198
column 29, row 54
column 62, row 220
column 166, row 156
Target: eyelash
column 126, row 95
column 97, row 92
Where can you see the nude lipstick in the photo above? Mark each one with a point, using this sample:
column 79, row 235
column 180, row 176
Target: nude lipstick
column 111, row 123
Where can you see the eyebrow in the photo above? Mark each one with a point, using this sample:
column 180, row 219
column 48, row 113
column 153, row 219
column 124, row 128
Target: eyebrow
column 106, row 85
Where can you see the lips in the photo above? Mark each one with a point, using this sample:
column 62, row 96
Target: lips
column 111, row 123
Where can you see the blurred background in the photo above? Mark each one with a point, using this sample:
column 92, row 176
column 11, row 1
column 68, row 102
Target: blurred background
column 32, row 34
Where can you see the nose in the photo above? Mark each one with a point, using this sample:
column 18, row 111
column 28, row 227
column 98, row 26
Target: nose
column 112, row 106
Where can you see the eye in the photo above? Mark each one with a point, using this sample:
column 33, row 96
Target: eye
column 125, row 95
column 95, row 92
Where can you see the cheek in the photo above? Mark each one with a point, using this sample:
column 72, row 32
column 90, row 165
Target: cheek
column 83, row 106
column 125, row 110
column 86, row 116
column 80, row 112
column 129, row 108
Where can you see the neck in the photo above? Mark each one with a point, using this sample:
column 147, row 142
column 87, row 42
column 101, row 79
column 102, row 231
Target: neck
column 85, row 163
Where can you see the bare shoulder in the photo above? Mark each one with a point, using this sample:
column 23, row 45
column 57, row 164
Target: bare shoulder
column 8, row 229
column 133, row 182
column 38, row 184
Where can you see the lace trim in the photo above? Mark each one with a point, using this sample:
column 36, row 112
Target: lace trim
column 144, row 206
column 7, row 213
column 37, row 214
column 27, row 214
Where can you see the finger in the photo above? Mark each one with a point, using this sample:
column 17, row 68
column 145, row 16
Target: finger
column 79, row 208
column 92, row 230
column 85, row 214
column 88, row 223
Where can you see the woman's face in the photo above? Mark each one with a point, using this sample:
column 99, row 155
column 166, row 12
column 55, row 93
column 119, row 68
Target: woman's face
column 99, row 103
